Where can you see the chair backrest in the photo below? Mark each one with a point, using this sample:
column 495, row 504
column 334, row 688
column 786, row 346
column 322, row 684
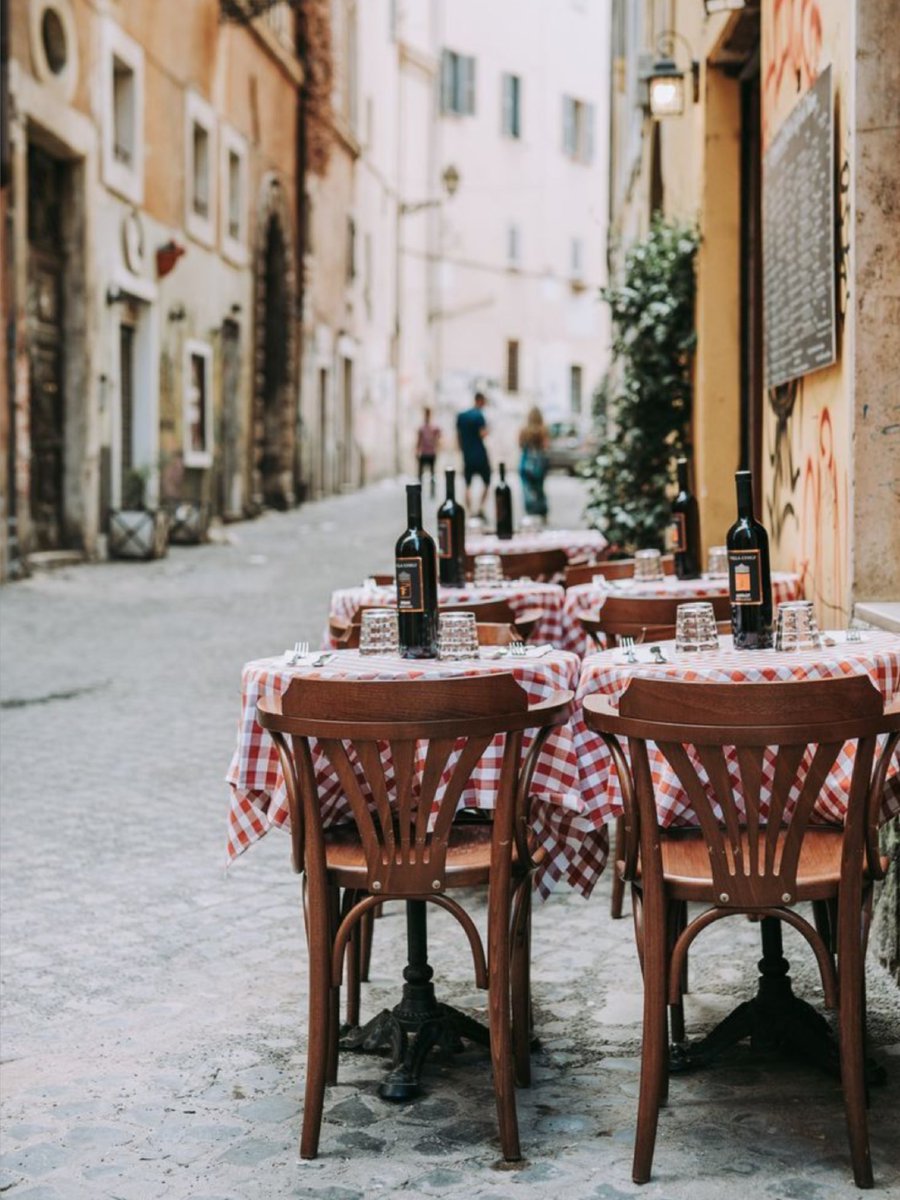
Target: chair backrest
column 485, row 610
column 615, row 568
column 654, row 617
column 496, row 633
column 344, row 634
column 402, row 751
column 752, row 759
column 543, row 565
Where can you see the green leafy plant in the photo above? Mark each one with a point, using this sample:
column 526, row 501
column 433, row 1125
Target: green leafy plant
column 134, row 488
column 648, row 414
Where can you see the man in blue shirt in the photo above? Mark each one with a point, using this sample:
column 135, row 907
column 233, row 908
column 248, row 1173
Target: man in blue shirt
column 471, row 428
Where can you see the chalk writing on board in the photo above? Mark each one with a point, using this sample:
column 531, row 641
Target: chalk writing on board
column 798, row 239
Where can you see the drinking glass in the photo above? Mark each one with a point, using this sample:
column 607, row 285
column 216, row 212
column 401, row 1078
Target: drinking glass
column 717, row 562
column 695, row 627
column 378, row 633
column 648, row 564
column 795, row 626
column 457, row 636
column 488, row 568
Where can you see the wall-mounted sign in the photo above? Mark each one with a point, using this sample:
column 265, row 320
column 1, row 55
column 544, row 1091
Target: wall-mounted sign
column 133, row 242
column 799, row 239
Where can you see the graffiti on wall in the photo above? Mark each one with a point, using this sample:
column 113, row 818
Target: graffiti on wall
column 843, row 243
column 824, row 525
column 792, row 54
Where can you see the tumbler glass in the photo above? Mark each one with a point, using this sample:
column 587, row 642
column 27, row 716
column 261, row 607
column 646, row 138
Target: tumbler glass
column 457, row 636
column 717, row 562
column 695, row 627
column 378, row 633
column 795, row 626
column 488, row 568
column 648, row 564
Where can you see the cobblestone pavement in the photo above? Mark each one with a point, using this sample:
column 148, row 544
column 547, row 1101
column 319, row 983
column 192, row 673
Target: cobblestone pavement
column 153, row 1006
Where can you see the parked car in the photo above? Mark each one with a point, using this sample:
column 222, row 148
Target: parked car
column 570, row 446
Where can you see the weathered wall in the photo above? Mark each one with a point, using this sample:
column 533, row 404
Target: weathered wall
column 808, row 421
column 875, row 302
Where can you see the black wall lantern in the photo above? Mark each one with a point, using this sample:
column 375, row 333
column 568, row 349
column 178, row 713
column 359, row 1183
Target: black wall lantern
column 666, row 84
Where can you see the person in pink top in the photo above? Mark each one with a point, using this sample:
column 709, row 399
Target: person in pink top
column 428, row 440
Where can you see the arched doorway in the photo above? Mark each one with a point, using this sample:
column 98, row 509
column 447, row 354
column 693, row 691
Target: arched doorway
column 275, row 390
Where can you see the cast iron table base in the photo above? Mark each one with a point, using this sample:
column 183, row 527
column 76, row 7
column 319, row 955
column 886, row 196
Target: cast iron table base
column 418, row 1023
column 775, row 1019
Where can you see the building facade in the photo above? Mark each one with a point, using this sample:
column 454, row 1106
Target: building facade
column 151, row 222
column 822, row 436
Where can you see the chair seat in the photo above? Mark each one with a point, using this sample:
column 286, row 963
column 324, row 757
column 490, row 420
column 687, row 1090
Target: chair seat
column 468, row 856
column 688, row 874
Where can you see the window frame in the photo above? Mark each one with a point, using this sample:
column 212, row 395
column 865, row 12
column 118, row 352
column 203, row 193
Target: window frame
column 513, row 246
column 579, row 119
column 127, row 179
column 576, row 371
column 194, row 348
column 199, row 112
column 233, row 143
column 457, row 83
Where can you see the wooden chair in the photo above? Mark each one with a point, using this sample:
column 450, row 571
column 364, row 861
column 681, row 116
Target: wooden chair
column 645, row 618
column 744, row 860
column 616, row 568
column 389, row 852
column 496, row 633
column 542, row 565
column 499, row 612
column 384, row 578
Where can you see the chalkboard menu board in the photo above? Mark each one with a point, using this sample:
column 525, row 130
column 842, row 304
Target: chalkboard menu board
column 798, row 239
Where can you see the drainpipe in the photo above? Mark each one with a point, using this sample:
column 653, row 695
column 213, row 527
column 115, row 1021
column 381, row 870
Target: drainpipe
column 10, row 567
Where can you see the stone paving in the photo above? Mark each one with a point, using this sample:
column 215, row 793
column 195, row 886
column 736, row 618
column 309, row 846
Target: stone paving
column 153, row 1005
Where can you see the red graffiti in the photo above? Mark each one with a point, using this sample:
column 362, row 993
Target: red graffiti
column 823, row 517
column 792, row 51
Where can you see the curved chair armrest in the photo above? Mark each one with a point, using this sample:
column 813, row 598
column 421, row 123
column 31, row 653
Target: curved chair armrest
column 555, row 710
column 876, row 864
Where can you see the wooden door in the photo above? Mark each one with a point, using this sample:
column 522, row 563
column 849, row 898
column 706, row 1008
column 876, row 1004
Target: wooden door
column 231, row 417
column 46, row 270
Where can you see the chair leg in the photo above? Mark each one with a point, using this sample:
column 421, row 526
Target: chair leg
column 354, row 964
column 618, row 884
column 852, row 1042
column 654, row 1056
column 499, row 1019
column 366, row 930
column 318, row 924
column 334, row 995
column 520, row 983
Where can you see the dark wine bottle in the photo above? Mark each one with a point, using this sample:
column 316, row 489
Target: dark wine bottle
column 684, row 528
column 452, row 537
column 416, row 575
column 749, row 577
column 503, row 501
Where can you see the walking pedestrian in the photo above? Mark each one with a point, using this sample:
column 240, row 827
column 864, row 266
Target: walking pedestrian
column 533, row 441
column 471, row 430
column 428, row 440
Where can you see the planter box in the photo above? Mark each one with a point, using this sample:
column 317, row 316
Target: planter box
column 138, row 533
column 188, row 523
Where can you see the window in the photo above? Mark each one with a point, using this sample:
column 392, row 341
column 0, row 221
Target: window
column 575, row 383
column 351, row 250
column 576, row 261
column 578, row 129
column 233, row 190
column 198, row 424
column 513, row 246
column 511, row 115
column 123, row 113
column 368, row 280
column 457, row 83
column 512, row 366
column 200, row 139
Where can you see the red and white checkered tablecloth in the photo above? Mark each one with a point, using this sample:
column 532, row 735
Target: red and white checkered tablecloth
column 520, row 595
column 580, row 545
column 575, row 848
column 588, row 598
column 878, row 657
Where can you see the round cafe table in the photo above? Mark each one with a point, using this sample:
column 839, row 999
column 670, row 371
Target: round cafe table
column 588, row 598
column 521, row 595
column 580, row 545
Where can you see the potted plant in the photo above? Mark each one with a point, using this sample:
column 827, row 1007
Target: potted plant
column 136, row 531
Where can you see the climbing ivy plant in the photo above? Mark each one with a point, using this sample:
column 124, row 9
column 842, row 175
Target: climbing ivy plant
column 649, row 405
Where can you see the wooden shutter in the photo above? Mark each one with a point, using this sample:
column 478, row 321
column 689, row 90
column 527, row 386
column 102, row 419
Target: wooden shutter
column 467, row 63
column 588, row 140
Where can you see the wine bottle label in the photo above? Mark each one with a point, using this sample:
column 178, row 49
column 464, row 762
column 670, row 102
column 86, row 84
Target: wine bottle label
column 677, row 534
column 745, row 577
column 409, row 585
column 445, row 537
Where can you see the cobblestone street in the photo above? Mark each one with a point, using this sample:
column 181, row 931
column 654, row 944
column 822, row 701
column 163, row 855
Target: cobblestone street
column 154, row 1005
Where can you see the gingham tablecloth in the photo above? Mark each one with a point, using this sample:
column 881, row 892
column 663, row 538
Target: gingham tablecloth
column 588, row 598
column 580, row 545
column 575, row 848
column 878, row 657
column 548, row 597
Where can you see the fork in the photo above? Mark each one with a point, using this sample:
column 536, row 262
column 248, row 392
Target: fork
column 301, row 649
column 854, row 635
column 517, row 649
column 627, row 644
